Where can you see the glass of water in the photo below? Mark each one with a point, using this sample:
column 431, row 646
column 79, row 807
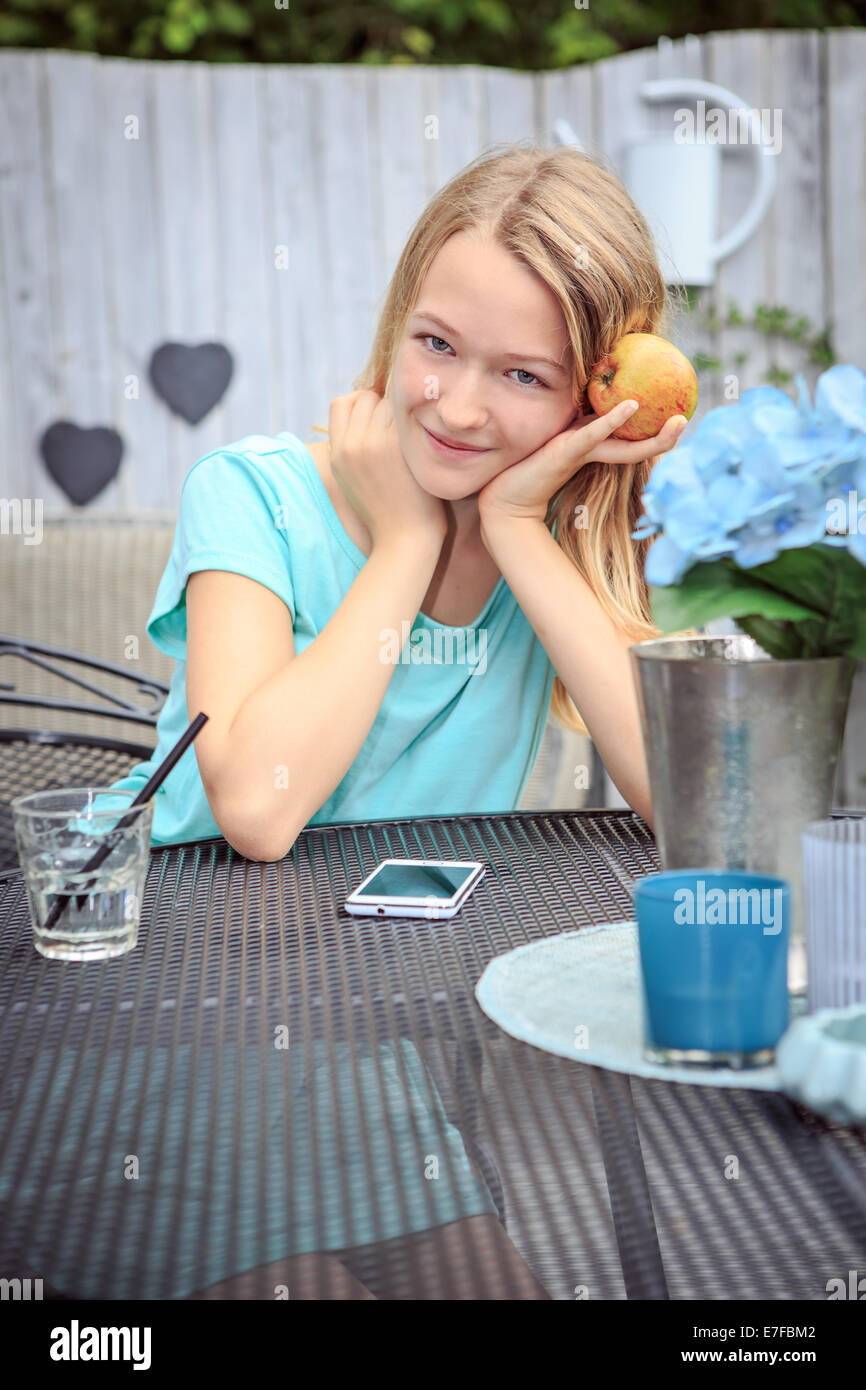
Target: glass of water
column 58, row 833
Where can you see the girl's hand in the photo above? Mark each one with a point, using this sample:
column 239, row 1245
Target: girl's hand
column 525, row 488
column 368, row 464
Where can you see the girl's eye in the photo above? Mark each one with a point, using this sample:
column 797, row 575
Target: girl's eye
column 532, row 374
column 431, row 337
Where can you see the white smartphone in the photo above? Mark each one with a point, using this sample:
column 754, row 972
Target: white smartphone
column 415, row 888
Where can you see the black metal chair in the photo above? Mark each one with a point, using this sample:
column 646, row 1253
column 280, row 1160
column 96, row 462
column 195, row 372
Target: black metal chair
column 41, row 759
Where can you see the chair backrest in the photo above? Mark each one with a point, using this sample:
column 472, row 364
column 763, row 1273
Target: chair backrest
column 88, row 586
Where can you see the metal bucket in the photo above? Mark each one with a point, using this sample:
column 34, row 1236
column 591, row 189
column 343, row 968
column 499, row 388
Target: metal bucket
column 741, row 754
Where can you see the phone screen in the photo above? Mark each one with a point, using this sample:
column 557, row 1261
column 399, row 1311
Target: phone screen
column 416, row 881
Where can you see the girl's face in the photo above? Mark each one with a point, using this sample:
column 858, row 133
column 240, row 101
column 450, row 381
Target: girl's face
column 483, row 380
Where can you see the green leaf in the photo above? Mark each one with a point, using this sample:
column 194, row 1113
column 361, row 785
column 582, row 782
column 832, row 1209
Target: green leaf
column 177, row 37
column 230, row 18
column 418, row 41
column 84, row 22
column 15, row 29
column 784, row 641
column 807, row 602
column 822, row 354
column 450, row 15
column 570, row 39
column 826, row 578
column 493, row 15
column 718, row 589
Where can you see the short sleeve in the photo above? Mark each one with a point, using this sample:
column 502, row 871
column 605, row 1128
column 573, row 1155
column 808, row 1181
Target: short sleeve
column 230, row 518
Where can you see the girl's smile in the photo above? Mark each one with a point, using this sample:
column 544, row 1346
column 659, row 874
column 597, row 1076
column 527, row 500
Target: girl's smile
column 440, row 447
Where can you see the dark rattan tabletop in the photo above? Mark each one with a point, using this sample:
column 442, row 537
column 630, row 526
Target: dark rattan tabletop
column 267, row 1082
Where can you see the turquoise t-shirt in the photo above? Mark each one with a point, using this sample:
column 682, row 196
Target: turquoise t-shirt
column 464, row 713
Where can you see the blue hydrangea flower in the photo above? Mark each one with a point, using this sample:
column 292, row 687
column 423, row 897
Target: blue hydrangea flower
column 763, row 475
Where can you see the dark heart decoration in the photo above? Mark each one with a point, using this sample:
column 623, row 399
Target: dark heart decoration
column 191, row 379
column 81, row 462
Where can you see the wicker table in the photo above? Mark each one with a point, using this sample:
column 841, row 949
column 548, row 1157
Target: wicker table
column 610, row 1187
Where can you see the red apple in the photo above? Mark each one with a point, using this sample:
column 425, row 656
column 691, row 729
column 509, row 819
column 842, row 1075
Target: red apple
column 647, row 369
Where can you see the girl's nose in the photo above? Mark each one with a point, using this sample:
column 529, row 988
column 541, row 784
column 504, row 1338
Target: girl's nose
column 461, row 415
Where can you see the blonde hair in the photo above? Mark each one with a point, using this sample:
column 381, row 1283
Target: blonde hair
column 566, row 216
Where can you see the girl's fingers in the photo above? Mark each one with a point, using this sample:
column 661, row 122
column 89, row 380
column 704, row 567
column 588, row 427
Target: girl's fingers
column 606, row 424
column 339, row 414
column 634, row 451
column 350, row 412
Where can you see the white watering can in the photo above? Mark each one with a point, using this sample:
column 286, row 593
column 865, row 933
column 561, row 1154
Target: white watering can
column 676, row 182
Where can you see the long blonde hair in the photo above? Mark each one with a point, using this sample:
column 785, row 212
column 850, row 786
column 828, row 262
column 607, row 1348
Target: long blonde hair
column 566, row 216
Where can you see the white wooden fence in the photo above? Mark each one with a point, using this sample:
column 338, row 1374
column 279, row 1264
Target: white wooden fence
column 148, row 202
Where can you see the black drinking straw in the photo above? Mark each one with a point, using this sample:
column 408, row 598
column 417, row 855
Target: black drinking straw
column 113, row 839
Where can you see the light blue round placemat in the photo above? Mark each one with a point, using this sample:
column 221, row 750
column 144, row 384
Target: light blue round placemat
column 579, row 995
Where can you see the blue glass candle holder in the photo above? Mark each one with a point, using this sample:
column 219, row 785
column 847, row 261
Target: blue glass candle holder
column 714, row 957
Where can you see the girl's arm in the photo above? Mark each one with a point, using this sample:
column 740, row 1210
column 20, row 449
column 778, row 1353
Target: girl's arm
column 313, row 713
column 587, row 651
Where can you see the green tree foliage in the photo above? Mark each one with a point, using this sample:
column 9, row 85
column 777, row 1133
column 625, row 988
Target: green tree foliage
column 532, row 36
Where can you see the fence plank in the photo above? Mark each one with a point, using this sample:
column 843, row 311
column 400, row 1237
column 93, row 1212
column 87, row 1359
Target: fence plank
column 131, row 219
column 244, row 263
column 511, row 113
column 568, row 95
column 459, row 103
column 347, row 218
column 622, row 113
column 845, row 164
column 300, row 311
column 402, row 186
column 78, row 194
column 683, row 58
column 795, row 216
column 12, row 465
column 30, row 360
column 740, row 62
column 846, row 190
column 186, row 197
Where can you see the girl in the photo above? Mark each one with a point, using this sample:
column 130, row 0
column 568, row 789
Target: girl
column 466, row 492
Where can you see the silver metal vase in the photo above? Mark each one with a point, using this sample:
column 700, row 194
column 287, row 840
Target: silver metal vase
column 741, row 754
